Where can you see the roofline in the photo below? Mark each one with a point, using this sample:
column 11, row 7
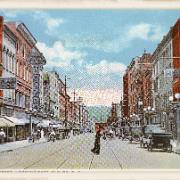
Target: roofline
column 21, row 23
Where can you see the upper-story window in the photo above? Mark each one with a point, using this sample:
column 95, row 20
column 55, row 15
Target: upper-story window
column 24, row 51
column 17, row 46
column 17, row 68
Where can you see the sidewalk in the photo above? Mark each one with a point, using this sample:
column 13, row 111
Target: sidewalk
column 19, row 144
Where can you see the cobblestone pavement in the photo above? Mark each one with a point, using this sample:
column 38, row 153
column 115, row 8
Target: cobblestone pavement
column 75, row 152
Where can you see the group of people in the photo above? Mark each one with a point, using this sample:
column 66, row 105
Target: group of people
column 36, row 134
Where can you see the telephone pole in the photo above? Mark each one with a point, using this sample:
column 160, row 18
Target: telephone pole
column 65, row 102
column 74, row 93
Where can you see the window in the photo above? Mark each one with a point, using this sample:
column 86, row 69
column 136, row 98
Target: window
column 24, row 72
column 6, row 61
column 10, row 63
column 17, row 68
column 24, row 51
column 17, row 46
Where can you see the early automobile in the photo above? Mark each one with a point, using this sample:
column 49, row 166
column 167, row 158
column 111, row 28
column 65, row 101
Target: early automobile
column 160, row 141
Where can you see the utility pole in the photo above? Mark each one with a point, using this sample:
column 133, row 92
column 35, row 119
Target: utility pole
column 65, row 102
column 74, row 93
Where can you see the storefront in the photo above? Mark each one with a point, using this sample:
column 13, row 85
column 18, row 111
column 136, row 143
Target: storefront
column 20, row 130
column 9, row 129
column 76, row 129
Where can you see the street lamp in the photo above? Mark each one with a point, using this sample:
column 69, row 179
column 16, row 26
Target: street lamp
column 149, row 110
column 65, row 84
column 30, row 113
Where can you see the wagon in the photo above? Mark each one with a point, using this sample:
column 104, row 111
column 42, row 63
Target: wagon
column 159, row 141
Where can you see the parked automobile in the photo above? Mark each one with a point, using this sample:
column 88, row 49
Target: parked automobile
column 159, row 141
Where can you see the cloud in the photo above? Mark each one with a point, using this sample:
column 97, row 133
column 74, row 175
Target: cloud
column 97, row 42
column 10, row 13
column 122, row 40
column 145, row 31
column 100, row 96
column 53, row 23
column 60, row 56
column 105, row 67
column 50, row 22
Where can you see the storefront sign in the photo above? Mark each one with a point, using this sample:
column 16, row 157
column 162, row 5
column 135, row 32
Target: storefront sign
column 37, row 61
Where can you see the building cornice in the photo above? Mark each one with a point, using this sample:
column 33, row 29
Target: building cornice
column 21, row 27
column 9, row 33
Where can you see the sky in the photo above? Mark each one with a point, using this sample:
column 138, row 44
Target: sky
column 93, row 47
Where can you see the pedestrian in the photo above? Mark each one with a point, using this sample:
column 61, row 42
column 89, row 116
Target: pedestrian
column 2, row 136
column 123, row 136
column 104, row 135
column 52, row 136
column 96, row 149
column 38, row 134
column 34, row 136
column 42, row 133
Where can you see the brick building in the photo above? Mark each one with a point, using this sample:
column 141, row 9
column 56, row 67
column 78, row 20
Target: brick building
column 125, row 105
column 62, row 100
column 25, row 43
column 137, row 88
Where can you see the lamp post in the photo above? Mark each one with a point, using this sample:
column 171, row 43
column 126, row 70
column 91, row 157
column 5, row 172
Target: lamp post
column 65, row 84
column 30, row 113
column 148, row 110
column 140, row 104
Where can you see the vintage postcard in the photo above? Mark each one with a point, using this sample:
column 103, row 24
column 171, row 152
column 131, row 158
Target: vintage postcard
column 90, row 90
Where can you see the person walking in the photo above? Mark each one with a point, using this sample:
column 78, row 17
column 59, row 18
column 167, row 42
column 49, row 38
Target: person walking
column 2, row 136
column 42, row 133
column 96, row 149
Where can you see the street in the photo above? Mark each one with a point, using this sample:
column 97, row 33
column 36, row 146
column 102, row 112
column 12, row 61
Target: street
column 75, row 153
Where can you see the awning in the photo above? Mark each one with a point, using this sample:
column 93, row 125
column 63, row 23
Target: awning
column 15, row 120
column 44, row 124
column 26, row 121
column 6, row 123
column 35, row 121
column 2, row 123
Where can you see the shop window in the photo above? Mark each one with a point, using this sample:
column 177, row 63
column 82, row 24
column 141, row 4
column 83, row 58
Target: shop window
column 10, row 132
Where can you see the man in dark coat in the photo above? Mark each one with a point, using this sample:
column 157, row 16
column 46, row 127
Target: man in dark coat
column 96, row 149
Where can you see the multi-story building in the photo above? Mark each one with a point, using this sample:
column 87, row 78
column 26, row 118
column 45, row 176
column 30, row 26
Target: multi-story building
column 137, row 92
column 125, row 105
column 46, row 94
column 62, row 100
column 25, row 43
column 166, row 59
column 8, row 68
column 51, row 94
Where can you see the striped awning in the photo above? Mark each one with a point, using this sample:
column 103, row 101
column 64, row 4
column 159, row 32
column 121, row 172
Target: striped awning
column 2, row 123
column 6, row 123
column 14, row 120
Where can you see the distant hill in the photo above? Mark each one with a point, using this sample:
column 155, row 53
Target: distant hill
column 100, row 113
